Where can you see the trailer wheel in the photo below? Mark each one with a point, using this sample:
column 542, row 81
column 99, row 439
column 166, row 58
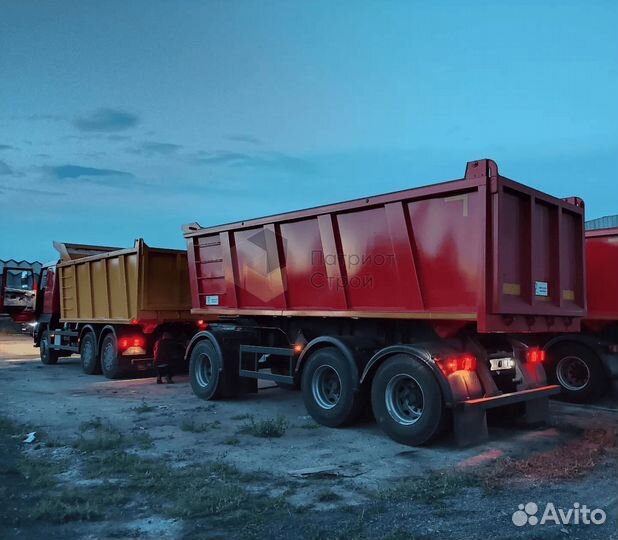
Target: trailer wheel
column 205, row 371
column 48, row 355
column 88, row 354
column 328, row 389
column 578, row 371
column 407, row 401
column 110, row 361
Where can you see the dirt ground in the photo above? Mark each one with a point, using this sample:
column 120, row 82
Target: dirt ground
column 132, row 459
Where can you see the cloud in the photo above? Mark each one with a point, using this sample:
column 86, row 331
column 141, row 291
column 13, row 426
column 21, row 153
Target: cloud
column 106, row 120
column 5, row 147
column 5, row 169
column 152, row 147
column 92, row 174
column 264, row 160
column 240, row 137
column 33, row 191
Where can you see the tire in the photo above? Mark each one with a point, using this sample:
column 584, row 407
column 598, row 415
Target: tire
column 91, row 364
column 205, row 371
column 578, row 371
column 48, row 356
column 328, row 389
column 110, row 361
column 412, row 423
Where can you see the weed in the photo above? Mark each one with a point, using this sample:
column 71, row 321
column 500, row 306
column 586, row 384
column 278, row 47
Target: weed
column 274, row 427
column 431, row 489
column 104, row 437
column 232, row 441
column 245, row 416
column 39, row 473
column 144, row 408
column 76, row 504
column 189, row 424
column 143, row 440
column 328, row 496
column 95, row 423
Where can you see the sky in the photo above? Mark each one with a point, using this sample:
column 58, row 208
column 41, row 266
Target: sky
column 121, row 120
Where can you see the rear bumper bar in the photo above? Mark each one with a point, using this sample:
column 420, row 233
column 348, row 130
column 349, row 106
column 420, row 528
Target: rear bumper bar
column 508, row 399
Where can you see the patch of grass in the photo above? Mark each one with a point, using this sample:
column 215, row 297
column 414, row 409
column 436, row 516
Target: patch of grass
column 143, row 440
column 274, row 427
column 94, row 423
column 328, row 496
column 430, row 489
column 309, row 426
column 76, row 504
column 40, row 473
column 231, row 441
column 100, row 436
column 245, row 416
column 144, row 408
column 189, row 424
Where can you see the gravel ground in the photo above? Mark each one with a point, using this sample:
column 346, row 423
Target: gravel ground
column 132, row 459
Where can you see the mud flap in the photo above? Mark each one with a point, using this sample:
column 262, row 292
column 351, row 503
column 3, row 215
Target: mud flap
column 470, row 426
column 536, row 412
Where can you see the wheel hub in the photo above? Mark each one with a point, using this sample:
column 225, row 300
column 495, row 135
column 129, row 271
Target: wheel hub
column 404, row 399
column 573, row 373
column 326, row 387
column 203, row 373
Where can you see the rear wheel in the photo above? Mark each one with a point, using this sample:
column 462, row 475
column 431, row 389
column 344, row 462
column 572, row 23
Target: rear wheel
column 110, row 361
column 578, row 371
column 205, row 371
column 88, row 353
column 328, row 388
column 407, row 401
column 48, row 355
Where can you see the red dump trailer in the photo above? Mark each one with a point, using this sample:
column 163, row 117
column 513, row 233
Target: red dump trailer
column 586, row 364
column 426, row 301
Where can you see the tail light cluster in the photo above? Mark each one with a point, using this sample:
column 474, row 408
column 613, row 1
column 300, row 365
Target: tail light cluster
column 535, row 355
column 459, row 362
column 126, row 342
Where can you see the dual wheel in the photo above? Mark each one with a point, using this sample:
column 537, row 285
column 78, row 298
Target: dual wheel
column 405, row 395
column 109, row 363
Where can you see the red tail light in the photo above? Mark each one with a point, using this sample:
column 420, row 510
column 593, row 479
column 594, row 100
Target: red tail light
column 126, row 342
column 451, row 364
column 535, row 355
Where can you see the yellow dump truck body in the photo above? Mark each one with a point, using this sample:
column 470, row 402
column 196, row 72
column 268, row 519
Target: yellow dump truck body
column 124, row 286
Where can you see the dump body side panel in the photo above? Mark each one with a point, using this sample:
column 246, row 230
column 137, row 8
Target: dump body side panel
column 602, row 274
column 483, row 249
column 371, row 260
column 125, row 286
column 100, row 288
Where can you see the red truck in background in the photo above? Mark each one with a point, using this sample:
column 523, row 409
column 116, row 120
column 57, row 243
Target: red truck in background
column 586, row 364
column 18, row 293
column 431, row 303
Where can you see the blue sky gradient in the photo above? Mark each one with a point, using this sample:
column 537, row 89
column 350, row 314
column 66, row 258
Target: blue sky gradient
column 128, row 119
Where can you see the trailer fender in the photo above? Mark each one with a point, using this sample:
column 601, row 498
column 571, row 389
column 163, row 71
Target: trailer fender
column 418, row 353
column 589, row 341
column 89, row 328
column 345, row 346
column 201, row 336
